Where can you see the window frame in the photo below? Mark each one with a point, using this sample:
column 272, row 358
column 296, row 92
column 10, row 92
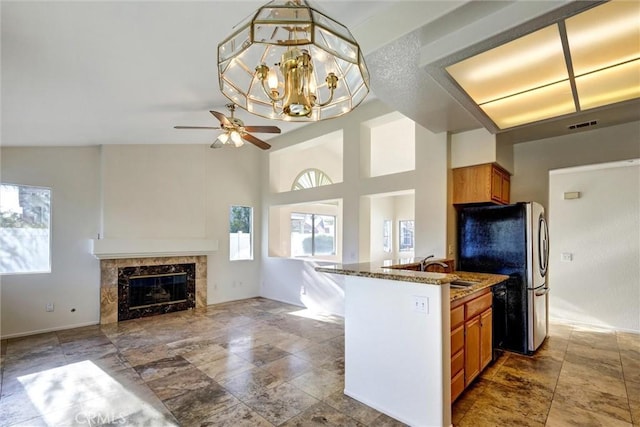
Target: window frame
column 237, row 233
column 313, row 234
column 402, row 228
column 49, row 229
column 387, row 236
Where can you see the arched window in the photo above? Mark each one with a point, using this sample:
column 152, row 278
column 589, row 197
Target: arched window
column 310, row 178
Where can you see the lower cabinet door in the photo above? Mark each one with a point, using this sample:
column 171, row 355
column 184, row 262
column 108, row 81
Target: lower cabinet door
column 486, row 338
column 457, row 363
column 457, row 385
column 472, row 349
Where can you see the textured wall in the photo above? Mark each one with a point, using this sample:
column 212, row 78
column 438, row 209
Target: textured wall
column 601, row 285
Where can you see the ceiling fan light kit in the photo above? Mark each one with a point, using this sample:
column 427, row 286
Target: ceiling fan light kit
column 235, row 131
column 291, row 62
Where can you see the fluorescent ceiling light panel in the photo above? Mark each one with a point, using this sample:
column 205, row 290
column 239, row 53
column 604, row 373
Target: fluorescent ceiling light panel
column 531, row 61
column 538, row 104
column 604, row 36
column 615, row 84
column 529, row 79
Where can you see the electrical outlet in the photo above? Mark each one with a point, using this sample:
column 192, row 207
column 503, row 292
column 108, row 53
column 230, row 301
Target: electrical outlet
column 566, row 257
column 420, row 304
column 49, row 307
column 303, row 290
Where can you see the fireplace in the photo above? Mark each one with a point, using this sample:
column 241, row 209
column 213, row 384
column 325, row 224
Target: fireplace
column 140, row 287
column 148, row 290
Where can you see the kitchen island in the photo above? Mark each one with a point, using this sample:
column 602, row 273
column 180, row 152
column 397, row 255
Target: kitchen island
column 397, row 338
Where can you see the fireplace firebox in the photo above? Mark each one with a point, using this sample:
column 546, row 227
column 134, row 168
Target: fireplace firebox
column 155, row 289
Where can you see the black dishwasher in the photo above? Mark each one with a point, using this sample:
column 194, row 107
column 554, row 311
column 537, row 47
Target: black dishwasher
column 499, row 316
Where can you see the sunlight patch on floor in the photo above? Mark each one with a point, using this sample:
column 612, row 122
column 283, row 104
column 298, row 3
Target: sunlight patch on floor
column 92, row 394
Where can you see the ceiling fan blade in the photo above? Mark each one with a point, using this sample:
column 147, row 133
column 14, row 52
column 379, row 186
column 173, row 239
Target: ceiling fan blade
column 224, row 121
column 263, row 129
column 255, row 141
column 196, row 127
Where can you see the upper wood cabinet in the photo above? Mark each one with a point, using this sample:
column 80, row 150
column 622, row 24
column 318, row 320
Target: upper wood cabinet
column 481, row 184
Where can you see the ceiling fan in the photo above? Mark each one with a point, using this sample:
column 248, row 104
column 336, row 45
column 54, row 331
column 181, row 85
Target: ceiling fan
column 235, row 130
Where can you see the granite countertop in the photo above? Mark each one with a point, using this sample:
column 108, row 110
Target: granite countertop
column 376, row 271
column 484, row 280
column 385, row 270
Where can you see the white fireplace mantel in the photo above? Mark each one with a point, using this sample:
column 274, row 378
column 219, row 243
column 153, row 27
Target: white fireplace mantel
column 144, row 248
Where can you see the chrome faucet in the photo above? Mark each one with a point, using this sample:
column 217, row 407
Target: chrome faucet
column 426, row 263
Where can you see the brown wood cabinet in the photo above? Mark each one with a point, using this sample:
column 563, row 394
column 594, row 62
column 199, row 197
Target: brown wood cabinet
column 481, row 184
column 471, row 339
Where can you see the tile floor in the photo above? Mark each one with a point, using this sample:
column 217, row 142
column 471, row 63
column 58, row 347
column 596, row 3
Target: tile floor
column 263, row 363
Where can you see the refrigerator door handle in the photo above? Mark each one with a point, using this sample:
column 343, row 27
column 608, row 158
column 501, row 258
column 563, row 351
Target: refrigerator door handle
column 543, row 292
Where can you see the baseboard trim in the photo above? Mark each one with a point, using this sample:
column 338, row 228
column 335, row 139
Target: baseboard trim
column 376, row 407
column 44, row 331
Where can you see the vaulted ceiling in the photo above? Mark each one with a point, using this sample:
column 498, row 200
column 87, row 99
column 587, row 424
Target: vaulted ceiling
column 89, row 73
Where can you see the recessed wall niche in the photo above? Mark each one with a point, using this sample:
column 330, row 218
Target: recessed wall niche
column 390, row 147
column 323, row 153
column 306, row 230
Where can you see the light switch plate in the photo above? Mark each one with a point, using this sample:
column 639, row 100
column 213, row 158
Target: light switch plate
column 566, row 257
column 420, row 304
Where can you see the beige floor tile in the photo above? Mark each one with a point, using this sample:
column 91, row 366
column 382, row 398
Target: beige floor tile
column 288, row 367
column 532, row 403
column 322, row 414
column 225, row 365
column 280, row 403
column 593, row 377
column 259, row 362
column 319, row 383
column 571, row 416
column 239, row 415
column 570, row 394
column 357, row 410
column 482, row 414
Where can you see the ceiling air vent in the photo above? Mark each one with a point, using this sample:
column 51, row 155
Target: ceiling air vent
column 582, row 125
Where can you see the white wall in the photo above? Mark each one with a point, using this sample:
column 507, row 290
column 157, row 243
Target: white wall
column 185, row 191
column 73, row 174
column 392, row 146
column 153, row 191
column 282, row 279
column 533, row 160
column 324, row 153
column 379, row 207
column 133, row 191
column 601, row 285
column 280, row 226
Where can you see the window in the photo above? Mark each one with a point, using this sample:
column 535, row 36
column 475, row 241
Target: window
column 240, row 230
column 313, row 234
column 310, row 178
column 406, row 235
column 386, row 235
column 25, row 229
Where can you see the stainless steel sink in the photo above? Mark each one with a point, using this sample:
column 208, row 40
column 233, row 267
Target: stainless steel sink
column 463, row 284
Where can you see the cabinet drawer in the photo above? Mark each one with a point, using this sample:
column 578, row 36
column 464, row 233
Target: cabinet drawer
column 478, row 305
column 457, row 363
column 457, row 317
column 457, row 339
column 457, row 385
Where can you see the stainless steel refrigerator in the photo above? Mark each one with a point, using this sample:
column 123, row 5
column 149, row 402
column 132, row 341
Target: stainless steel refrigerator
column 511, row 240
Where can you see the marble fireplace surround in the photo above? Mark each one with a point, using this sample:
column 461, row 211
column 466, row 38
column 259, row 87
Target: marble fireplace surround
column 117, row 253
column 109, row 280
